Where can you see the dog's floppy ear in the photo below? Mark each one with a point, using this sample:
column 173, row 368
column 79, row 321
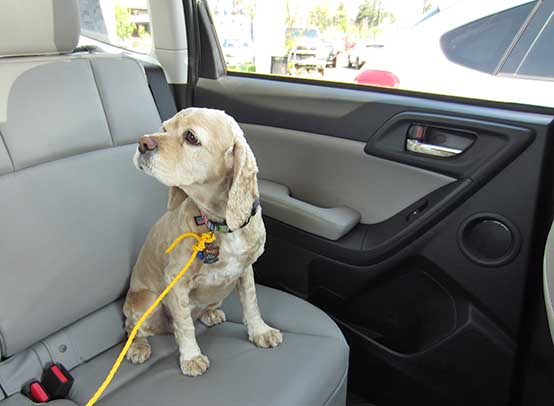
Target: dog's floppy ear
column 175, row 198
column 244, row 188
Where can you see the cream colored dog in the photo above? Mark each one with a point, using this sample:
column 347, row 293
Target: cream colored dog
column 203, row 157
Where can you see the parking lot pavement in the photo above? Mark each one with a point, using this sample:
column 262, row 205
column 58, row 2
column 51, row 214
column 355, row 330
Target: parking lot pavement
column 332, row 74
column 340, row 74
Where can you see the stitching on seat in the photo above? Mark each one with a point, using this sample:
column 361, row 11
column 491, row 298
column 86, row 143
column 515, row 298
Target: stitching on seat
column 2, row 343
column 92, row 151
column 101, row 100
column 10, row 157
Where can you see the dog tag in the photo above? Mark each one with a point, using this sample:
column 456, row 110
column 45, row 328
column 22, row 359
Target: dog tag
column 199, row 220
column 211, row 253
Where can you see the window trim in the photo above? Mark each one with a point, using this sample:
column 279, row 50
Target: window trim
column 527, row 108
column 517, row 37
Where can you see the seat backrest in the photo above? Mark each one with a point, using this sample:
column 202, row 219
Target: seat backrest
column 73, row 209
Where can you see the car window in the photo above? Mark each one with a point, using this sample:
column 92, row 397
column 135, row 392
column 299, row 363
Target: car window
column 539, row 60
column 121, row 23
column 482, row 44
column 447, row 47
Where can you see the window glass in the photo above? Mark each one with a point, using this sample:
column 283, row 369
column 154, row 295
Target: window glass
column 121, row 23
column 483, row 43
column 449, row 47
column 539, row 61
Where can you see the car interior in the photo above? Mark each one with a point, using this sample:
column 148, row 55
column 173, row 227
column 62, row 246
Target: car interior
column 405, row 231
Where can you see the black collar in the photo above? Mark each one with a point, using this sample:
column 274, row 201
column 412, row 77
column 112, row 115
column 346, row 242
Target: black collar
column 221, row 226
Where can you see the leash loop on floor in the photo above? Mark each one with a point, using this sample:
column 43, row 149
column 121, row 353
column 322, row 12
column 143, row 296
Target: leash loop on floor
column 201, row 241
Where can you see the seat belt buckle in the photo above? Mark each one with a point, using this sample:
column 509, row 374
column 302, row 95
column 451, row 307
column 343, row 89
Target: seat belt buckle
column 57, row 381
column 35, row 391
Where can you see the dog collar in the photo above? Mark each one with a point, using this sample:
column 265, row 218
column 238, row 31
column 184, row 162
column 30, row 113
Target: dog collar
column 221, row 226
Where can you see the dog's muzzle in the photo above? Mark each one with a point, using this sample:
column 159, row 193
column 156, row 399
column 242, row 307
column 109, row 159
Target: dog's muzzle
column 147, row 144
column 147, row 147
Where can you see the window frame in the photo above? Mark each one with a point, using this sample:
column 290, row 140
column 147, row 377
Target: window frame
column 540, row 17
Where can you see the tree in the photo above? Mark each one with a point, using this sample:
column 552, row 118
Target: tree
column 319, row 16
column 340, row 19
column 427, row 6
column 291, row 13
column 370, row 14
column 124, row 26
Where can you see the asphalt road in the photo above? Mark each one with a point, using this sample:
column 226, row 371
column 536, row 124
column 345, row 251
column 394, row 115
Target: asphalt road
column 332, row 74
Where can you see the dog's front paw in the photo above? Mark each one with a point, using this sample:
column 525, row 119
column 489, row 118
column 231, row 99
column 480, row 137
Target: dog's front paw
column 195, row 366
column 139, row 351
column 213, row 317
column 268, row 339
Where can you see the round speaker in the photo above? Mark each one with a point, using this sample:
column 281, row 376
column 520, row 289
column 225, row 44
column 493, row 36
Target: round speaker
column 488, row 239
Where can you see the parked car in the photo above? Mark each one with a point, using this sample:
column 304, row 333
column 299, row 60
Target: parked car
column 470, row 49
column 377, row 77
column 238, row 52
column 308, row 50
column 364, row 52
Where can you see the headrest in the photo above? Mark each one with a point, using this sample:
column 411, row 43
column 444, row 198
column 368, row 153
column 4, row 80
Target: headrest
column 38, row 27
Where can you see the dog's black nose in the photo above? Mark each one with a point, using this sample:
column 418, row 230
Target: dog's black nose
column 147, row 144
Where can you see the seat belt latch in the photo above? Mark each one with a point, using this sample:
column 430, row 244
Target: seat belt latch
column 57, row 381
column 36, row 392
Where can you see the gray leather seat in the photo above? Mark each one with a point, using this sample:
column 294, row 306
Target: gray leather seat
column 73, row 215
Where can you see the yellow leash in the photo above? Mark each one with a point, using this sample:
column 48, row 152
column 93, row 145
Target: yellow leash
column 202, row 240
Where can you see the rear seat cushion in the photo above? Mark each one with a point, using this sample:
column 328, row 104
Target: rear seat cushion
column 74, row 213
column 309, row 368
column 71, row 230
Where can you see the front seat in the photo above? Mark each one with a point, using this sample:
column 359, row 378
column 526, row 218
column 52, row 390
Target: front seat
column 73, row 215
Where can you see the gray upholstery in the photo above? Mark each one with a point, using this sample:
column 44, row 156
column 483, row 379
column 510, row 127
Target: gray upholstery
column 38, row 27
column 74, row 213
column 47, row 119
column 332, row 172
column 20, row 400
column 331, row 223
column 122, row 74
column 306, row 370
column 5, row 161
column 71, row 222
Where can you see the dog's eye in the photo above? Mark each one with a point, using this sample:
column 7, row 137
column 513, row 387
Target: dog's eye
column 191, row 138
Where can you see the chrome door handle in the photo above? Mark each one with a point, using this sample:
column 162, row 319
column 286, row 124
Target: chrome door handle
column 430, row 149
column 437, row 141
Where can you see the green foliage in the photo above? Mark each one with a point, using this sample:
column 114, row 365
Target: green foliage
column 320, row 17
column 340, row 19
column 245, row 67
column 124, row 26
column 427, row 6
column 244, row 7
column 370, row 14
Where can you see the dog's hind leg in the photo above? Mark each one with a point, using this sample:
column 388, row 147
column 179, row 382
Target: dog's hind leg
column 135, row 305
column 213, row 315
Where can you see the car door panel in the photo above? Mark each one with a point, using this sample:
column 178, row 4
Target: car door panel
column 426, row 319
column 330, row 171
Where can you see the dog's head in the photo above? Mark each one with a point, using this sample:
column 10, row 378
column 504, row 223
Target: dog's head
column 200, row 146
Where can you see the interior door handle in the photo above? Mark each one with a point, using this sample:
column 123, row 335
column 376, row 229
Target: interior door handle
column 437, row 142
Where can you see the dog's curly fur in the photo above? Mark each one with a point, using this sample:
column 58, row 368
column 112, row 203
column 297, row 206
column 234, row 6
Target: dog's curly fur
column 217, row 178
